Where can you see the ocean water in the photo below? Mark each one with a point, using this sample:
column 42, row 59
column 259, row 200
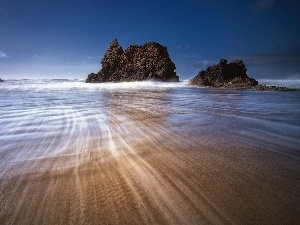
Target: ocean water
column 55, row 125
column 47, row 118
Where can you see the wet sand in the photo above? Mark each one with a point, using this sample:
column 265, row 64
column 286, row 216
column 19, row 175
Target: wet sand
column 138, row 176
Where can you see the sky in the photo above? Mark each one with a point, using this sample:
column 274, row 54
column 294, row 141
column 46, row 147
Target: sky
column 67, row 39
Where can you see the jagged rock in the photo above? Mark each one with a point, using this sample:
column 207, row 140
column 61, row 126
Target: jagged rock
column 230, row 75
column 150, row 61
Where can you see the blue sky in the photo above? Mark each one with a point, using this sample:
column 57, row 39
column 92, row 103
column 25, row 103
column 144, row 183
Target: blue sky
column 67, row 39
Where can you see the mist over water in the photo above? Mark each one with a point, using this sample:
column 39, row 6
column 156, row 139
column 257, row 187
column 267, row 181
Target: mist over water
column 134, row 142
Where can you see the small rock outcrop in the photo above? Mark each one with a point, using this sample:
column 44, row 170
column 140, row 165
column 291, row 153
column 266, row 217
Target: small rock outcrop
column 230, row 75
column 225, row 74
column 150, row 61
column 1, row 80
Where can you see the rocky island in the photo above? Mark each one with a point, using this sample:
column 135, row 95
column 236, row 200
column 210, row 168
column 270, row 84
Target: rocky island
column 150, row 61
column 230, row 75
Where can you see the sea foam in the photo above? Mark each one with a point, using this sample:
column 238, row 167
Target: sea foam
column 65, row 84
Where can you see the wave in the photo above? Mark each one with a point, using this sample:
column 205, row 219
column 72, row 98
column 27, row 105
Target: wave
column 70, row 84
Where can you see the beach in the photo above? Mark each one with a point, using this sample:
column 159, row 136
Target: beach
column 144, row 153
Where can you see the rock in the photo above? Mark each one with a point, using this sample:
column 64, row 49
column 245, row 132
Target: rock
column 1, row 80
column 150, row 61
column 224, row 75
column 230, row 75
column 273, row 88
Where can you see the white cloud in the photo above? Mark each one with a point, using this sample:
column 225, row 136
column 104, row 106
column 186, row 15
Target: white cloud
column 3, row 55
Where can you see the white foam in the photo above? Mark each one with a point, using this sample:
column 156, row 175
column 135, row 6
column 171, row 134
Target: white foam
column 55, row 84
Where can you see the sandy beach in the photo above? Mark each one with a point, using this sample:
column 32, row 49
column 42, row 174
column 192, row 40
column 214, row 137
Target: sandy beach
column 135, row 165
column 159, row 181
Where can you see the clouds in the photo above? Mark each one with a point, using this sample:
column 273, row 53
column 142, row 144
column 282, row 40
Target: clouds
column 202, row 64
column 263, row 5
column 292, row 57
column 3, row 54
column 285, row 65
column 194, row 67
column 276, row 65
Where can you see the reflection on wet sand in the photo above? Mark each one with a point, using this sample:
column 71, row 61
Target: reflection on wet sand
column 128, row 162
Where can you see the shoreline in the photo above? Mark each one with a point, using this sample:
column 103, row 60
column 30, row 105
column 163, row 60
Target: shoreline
column 147, row 155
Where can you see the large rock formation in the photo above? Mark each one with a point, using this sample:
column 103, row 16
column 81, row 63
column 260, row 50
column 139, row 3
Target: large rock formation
column 150, row 61
column 230, row 75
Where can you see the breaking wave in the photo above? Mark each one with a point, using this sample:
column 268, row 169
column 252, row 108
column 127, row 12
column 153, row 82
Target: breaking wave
column 79, row 84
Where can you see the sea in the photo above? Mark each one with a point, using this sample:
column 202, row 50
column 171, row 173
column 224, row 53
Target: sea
column 148, row 153
column 56, row 117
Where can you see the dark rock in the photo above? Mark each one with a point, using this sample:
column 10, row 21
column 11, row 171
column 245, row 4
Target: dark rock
column 232, row 75
column 273, row 88
column 1, row 80
column 224, row 75
column 150, row 61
